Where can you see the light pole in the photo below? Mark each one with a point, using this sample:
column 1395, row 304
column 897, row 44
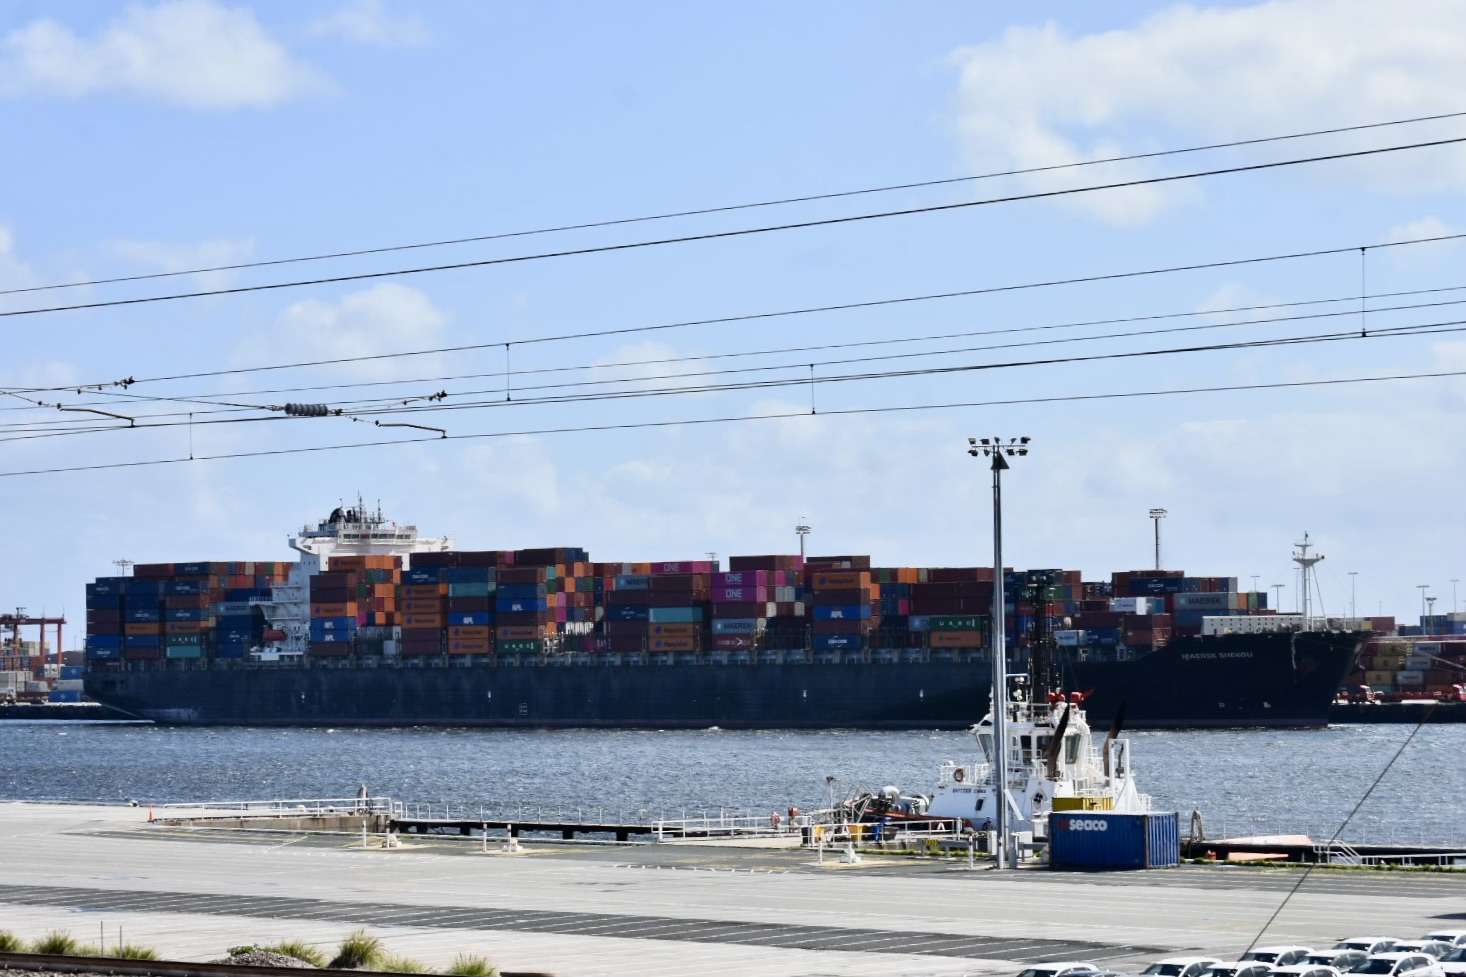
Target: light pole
column 713, row 559
column 1254, row 582
column 1353, row 591
column 1422, row 587
column 1156, row 515
column 1454, row 606
column 999, row 451
column 1278, row 599
column 1430, row 604
column 802, row 530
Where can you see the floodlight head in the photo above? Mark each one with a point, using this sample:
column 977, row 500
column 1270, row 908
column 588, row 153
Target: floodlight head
column 972, row 441
column 1024, row 440
column 985, row 441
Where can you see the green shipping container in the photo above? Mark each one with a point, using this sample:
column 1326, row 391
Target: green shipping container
column 470, row 589
column 185, row 651
column 183, row 640
column 520, row 647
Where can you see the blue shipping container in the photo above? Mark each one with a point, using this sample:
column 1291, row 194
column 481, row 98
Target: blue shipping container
column 230, row 649
column 182, row 587
column 628, row 612
column 1106, row 840
column 101, row 642
column 142, row 640
column 633, row 581
column 521, row 591
column 135, row 587
column 70, row 671
column 103, row 654
column 475, row 620
column 835, row 642
column 419, row 577
column 735, row 625
column 68, row 695
column 185, row 613
column 850, row 612
column 144, row 614
column 519, row 606
column 466, row 574
column 676, row 615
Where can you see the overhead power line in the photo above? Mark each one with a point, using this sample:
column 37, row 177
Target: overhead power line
column 1438, row 328
column 692, row 422
column 811, row 310
column 738, row 232
column 729, row 208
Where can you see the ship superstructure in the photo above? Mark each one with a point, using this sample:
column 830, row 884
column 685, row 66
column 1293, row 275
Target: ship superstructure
column 347, row 531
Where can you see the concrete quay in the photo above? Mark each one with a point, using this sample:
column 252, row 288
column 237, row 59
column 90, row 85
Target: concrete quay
column 583, row 910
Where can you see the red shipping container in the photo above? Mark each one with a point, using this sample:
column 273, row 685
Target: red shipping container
column 733, row 642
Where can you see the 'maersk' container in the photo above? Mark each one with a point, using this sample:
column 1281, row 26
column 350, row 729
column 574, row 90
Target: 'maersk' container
column 1105, row 840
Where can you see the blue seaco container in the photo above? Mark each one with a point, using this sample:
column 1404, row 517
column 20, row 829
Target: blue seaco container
column 1104, row 840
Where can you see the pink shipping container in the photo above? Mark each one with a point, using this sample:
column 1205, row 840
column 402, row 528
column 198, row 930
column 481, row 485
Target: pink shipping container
column 742, row 578
column 734, row 595
column 733, row 642
column 684, row 566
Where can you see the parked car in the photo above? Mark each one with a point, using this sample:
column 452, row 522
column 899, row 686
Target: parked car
column 1278, row 956
column 1401, row 965
column 1239, row 968
column 1066, row 968
column 1180, row 967
column 1344, row 961
column 1306, row 970
column 1431, row 948
column 1453, row 937
column 1369, row 944
column 1454, row 962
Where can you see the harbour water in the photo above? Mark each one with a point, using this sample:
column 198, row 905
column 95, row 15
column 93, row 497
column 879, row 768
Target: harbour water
column 1243, row 781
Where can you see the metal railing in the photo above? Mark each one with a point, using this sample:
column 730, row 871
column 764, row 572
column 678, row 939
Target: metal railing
column 728, row 826
column 308, row 806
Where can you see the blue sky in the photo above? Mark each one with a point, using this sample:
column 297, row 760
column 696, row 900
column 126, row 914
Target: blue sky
column 162, row 136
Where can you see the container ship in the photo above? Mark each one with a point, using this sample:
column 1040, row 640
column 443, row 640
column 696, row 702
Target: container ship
column 376, row 625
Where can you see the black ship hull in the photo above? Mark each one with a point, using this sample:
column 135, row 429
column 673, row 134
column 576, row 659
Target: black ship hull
column 1254, row 680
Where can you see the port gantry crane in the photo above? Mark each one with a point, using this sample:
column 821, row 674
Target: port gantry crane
column 20, row 619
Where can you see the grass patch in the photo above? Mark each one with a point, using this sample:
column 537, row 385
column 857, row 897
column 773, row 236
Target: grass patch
column 57, row 942
column 359, row 951
column 471, row 965
column 301, row 950
column 132, row 951
column 392, row 963
column 10, row 943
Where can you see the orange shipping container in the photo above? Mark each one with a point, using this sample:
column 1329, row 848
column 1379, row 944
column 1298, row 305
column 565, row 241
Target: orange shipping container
column 143, row 629
column 187, row 627
column 422, row 620
column 673, row 630
column 840, row 579
column 466, row 633
column 424, row 591
column 347, row 609
column 672, row 644
column 522, row 632
column 956, row 639
column 481, row 646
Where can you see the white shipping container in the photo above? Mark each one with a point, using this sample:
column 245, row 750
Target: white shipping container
column 1070, row 639
column 1131, row 605
column 67, row 685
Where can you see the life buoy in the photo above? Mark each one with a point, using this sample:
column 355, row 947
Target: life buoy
column 959, row 775
column 774, row 820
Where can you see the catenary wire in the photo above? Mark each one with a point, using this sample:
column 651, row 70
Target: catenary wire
column 784, row 313
column 824, row 347
column 737, row 232
column 690, row 422
column 390, row 405
column 1451, row 326
column 728, row 208
column 1425, row 716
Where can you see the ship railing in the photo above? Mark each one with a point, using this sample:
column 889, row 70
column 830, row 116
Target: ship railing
column 313, row 806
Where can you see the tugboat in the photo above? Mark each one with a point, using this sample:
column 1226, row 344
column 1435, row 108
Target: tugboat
column 1052, row 764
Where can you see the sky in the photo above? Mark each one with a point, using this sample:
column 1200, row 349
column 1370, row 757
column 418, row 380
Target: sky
column 168, row 136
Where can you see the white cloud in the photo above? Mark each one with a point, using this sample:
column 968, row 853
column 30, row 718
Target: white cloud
column 166, row 257
column 368, row 22
column 385, row 318
column 190, row 52
column 1038, row 95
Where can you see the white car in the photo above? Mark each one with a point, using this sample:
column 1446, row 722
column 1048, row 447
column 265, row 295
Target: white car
column 1369, row 944
column 1180, row 967
column 1307, row 970
column 1431, row 948
column 1279, row 956
column 1453, row 937
column 1344, row 961
column 1454, row 962
column 1239, row 968
column 1401, row 965
column 1064, row 968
